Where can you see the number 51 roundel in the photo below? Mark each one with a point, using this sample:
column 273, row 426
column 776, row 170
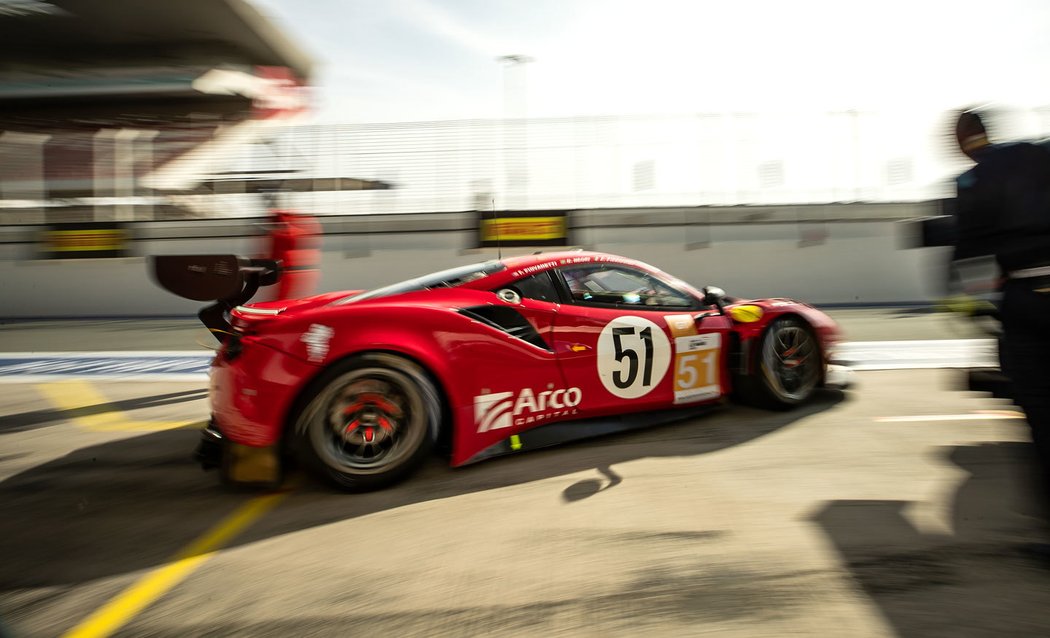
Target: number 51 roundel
column 634, row 354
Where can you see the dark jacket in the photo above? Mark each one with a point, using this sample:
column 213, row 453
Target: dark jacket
column 1003, row 206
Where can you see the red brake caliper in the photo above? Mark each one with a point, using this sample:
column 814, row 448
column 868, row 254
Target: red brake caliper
column 385, row 424
column 372, row 400
column 790, row 363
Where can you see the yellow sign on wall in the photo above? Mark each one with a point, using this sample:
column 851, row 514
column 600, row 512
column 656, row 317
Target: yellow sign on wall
column 70, row 241
column 523, row 229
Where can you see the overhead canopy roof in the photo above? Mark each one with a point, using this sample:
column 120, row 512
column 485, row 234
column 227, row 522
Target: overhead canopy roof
column 74, row 34
column 277, row 183
column 76, row 63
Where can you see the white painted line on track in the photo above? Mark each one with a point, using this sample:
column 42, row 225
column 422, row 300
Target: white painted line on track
column 149, row 377
column 911, row 355
column 930, row 418
column 35, row 367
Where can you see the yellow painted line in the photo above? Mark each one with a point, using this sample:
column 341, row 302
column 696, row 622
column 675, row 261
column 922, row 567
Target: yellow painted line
column 77, row 395
column 987, row 416
column 119, row 611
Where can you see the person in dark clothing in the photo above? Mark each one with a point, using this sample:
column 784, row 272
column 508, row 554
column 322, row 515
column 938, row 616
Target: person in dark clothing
column 1003, row 209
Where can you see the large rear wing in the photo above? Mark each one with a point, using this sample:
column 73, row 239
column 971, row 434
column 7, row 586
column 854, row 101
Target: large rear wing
column 227, row 280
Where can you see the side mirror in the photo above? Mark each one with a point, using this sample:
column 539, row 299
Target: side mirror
column 715, row 296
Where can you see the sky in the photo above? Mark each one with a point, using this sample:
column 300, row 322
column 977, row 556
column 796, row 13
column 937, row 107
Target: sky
column 419, row 60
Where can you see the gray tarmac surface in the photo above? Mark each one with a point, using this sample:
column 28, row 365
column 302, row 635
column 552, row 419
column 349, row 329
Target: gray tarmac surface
column 894, row 508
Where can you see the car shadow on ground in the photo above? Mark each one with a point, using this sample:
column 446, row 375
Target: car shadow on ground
column 11, row 423
column 132, row 504
column 979, row 580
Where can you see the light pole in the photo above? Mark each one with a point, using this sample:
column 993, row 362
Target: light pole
column 515, row 161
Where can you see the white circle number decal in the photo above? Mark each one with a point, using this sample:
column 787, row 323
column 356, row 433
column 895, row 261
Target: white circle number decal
column 633, row 356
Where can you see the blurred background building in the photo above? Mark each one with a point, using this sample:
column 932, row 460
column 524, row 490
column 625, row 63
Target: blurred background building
column 131, row 128
column 150, row 110
column 105, row 107
column 704, row 159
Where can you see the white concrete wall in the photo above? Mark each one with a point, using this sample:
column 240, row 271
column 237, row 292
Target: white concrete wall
column 837, row 254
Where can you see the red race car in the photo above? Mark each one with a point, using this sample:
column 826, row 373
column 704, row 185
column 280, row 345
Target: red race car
column 482, row 360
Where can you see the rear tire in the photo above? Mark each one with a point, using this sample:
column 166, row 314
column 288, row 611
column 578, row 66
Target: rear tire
column 786, row 366
column 369, row 421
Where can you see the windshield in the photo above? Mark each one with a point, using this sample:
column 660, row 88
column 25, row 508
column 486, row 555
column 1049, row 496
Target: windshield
column 445, row 279
column 620, row 285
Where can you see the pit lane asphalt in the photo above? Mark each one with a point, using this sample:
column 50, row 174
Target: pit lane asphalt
column 831, row 520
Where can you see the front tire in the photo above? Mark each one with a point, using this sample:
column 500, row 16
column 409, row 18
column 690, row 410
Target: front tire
column 369, row 422
column 787, row 366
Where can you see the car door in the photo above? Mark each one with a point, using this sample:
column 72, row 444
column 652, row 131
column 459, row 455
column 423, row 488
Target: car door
column 631, row 340
column 537, row 300
column 528, row 392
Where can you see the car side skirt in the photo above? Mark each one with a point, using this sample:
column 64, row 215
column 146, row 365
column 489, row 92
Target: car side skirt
column 565, row 431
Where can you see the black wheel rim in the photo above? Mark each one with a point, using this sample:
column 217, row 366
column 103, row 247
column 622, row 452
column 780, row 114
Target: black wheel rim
column 791, row 361
column 370, row 420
